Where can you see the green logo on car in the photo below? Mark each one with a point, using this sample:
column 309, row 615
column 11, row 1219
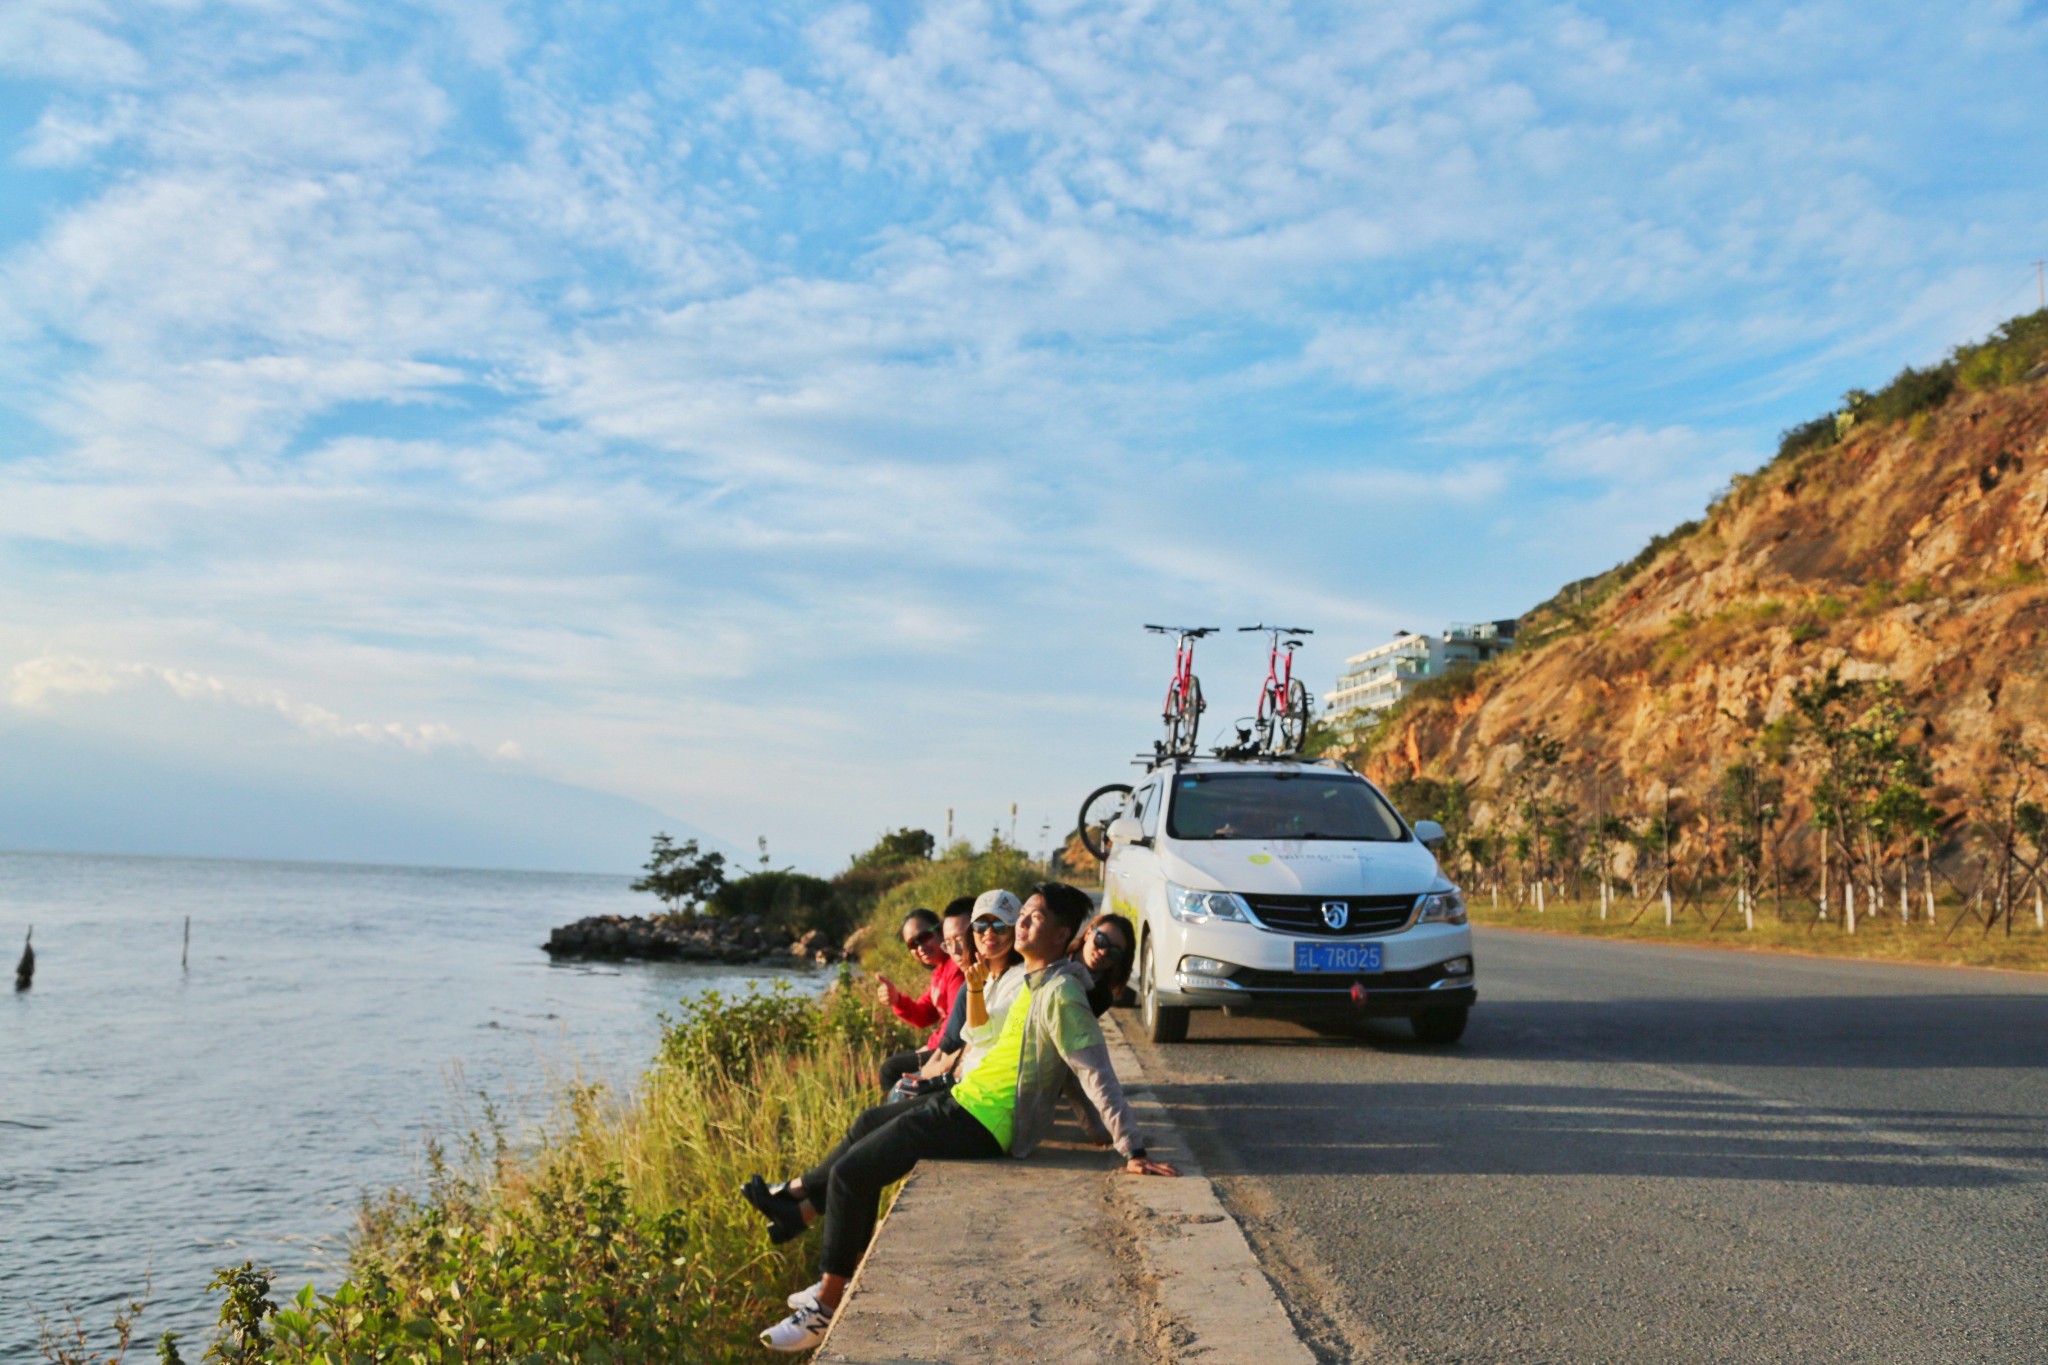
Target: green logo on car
column 1262, row 857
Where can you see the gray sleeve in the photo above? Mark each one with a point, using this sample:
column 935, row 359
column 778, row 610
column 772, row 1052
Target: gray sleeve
column 1079, row 1039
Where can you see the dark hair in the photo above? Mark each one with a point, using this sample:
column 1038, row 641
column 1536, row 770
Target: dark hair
column 1130, row 934
column 1067, row 904
column 1117, row 971
column 959, row 905
column 922, row 918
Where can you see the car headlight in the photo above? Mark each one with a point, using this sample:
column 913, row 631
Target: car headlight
column 1442, row 907
column 1199, row 907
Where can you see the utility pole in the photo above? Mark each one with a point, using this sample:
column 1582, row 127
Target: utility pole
column 949, row 827
column 1013, row 824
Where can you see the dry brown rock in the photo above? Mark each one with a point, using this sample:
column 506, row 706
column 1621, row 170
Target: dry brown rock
column 1914, row 552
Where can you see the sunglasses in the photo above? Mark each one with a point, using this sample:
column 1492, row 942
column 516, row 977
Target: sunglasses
column 920, row 939
column 1108, row 942
column 994, row 927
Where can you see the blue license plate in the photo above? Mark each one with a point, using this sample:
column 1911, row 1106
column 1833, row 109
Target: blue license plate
column 1337, row 957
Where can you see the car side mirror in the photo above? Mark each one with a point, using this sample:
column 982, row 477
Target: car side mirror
column 1126, row 830
column 1429, row 832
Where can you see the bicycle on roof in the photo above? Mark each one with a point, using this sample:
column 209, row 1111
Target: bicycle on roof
column 1182, row 714
column 1281, row 722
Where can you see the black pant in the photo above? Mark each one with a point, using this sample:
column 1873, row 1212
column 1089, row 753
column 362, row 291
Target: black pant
column 902, row 1064
column 878, row 1150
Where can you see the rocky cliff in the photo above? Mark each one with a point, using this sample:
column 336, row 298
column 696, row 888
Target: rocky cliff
column 1909, row 549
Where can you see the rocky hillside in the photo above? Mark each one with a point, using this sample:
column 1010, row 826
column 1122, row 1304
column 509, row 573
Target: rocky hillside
column 1908, row 547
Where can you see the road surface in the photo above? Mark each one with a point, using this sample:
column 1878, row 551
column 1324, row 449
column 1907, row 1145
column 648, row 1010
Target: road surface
column 1647, row 1154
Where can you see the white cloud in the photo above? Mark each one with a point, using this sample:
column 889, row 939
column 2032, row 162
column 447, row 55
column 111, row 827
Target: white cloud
column 42, row 684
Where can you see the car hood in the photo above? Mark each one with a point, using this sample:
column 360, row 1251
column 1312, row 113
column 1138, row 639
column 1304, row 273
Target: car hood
column 1302, row 867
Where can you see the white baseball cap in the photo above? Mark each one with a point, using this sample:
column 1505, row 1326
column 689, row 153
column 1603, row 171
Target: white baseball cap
column 997, row 905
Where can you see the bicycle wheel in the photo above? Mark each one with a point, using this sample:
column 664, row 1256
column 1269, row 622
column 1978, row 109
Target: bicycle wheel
column 1186, row 720
column 1093, row 824
column 1293, row 725
column 1265, row 725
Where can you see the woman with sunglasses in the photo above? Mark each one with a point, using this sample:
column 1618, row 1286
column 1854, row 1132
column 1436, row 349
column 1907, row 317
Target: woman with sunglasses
column 1106, row 947
column 926, row 936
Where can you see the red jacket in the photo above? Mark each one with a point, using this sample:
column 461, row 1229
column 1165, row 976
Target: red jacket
column 923, row 1011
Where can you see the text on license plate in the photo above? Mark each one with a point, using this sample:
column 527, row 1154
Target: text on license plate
column 1337, row 957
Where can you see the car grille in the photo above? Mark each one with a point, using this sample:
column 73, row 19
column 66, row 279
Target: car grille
column 1420, row 978
column 1304, row 914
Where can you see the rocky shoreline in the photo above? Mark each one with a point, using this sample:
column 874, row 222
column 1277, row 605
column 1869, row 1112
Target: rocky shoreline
column 665, row 938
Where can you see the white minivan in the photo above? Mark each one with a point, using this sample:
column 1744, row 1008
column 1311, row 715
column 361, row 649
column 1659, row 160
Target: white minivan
column 1285, row 887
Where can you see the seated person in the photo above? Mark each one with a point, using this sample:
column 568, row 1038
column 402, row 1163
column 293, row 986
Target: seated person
column 1106, row 946
column 931, row 941
column 1003, row 1103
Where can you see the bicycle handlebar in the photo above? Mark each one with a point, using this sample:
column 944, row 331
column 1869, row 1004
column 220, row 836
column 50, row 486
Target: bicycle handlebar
column 1278, row 630
column 1192, row 632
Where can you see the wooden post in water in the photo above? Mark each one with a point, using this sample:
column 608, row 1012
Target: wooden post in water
column 25, row 970
column 185, row 954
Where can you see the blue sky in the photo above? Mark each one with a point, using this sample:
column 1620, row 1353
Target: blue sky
column 786, row 416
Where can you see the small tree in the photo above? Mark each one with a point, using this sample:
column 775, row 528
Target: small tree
column 681, row 877
column 1749, row 800
column 897, row 848
column 1870, row 781
column 2012, row 820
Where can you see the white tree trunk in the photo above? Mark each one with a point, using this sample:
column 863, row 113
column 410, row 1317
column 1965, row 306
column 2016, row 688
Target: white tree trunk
column 1667, row 907
column 1849, row 905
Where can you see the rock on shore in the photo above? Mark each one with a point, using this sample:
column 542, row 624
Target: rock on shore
column 659, row 938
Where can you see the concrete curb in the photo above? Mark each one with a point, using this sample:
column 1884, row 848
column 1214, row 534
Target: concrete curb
column 999, row 1261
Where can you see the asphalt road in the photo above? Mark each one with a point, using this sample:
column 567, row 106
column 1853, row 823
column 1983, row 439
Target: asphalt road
column 1647, row 1154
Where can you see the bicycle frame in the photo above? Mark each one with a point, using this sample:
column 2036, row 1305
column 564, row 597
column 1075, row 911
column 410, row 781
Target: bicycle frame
column 1282, row 642
column 1183, row 694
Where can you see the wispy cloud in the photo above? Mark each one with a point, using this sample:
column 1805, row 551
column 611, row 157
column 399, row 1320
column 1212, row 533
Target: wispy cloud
column 791, row 416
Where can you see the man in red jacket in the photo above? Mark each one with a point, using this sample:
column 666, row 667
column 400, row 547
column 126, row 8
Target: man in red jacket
column 946, row 947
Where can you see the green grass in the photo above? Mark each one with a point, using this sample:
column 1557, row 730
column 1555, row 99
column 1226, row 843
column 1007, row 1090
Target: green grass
column 1878, row 937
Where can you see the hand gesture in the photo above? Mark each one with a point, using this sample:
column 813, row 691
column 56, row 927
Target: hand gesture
column 885, row 991
column 977, row 976
column 1139, row 1165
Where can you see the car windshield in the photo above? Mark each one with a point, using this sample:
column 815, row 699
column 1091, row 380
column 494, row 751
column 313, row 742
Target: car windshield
column 1279, row 805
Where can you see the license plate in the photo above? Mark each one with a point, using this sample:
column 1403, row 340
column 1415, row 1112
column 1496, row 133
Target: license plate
column 1337, row 957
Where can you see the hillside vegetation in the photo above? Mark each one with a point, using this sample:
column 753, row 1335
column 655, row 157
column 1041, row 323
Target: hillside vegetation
column 1845, row 660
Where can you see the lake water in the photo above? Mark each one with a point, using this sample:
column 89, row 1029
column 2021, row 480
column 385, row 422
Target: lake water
column 163, row 1122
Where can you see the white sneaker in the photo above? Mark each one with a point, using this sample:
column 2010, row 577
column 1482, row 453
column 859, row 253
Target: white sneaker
column 800, row 1331
column 806, row 1298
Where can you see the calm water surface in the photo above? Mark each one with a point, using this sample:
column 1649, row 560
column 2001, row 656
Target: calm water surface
column 161, row 1122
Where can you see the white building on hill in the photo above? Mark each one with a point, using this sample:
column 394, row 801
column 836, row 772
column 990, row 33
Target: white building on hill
column 1378, row 678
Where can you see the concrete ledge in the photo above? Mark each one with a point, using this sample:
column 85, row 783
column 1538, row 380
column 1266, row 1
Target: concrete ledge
column 1063, row 1258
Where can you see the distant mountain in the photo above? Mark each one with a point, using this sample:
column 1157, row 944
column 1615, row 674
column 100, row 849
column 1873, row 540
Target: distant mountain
column 65, row 789
column 1904, row 538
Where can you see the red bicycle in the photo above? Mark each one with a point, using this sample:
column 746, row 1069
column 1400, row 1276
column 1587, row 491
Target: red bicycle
column 1282, row 721
column 1182, row 714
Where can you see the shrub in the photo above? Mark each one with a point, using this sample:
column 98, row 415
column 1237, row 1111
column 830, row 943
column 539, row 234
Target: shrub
column 787, row 901
column 1818, row 434
column 1911, row 391
column 2006, row 355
